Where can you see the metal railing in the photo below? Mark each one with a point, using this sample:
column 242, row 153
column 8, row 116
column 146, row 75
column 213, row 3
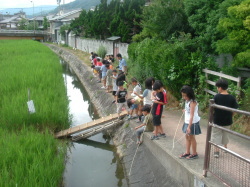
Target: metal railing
column 231, row 168
column 24, row 31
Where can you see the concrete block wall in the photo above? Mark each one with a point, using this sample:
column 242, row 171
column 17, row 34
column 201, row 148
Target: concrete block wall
column 92, row 45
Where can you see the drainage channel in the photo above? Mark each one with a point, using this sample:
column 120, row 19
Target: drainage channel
column 92, row 162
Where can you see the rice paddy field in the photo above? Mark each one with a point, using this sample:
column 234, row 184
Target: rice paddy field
column 30, row 156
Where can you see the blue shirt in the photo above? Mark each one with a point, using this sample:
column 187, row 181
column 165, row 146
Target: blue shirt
column 104, row 70
column 122, row 63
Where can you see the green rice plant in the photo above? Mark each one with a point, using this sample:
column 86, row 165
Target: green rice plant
column 27, row 64
column 30, row 158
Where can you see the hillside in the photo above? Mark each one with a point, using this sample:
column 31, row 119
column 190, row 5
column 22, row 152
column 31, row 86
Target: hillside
column 38, row 10
column 45, row 9
column 84, row 4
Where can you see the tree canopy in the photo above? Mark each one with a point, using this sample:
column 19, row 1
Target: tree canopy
column 236, row 26
column 116, row 18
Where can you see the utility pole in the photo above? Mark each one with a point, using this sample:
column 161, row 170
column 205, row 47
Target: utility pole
column 33, row 17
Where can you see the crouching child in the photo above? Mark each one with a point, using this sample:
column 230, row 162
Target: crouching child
column 147, row 124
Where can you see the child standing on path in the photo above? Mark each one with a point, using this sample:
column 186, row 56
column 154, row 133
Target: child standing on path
column 191, row 126
column 157, row 109
column 109, row 79
column 104, row 73
column 121, row 97
column 222, row 117
column 115, row 87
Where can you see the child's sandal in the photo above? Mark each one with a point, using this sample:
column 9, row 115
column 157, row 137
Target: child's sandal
column 193, row 156
column 184, row 155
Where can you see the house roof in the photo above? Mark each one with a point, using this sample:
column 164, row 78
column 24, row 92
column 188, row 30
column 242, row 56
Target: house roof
column 8, row 20
column 60, row 17
column 114, row 38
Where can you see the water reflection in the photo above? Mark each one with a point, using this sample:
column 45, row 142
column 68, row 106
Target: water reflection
column 92, row 162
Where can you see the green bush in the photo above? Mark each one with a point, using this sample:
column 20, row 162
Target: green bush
column 101, row 51
column 175, row 63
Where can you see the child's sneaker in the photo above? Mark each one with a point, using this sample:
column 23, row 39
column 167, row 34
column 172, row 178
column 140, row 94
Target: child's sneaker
column 162, row 135
column 133, row 117
column 154, row 138
column 191, row 157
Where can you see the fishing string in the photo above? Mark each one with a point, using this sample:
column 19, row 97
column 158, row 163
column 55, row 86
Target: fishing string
column 176, row 131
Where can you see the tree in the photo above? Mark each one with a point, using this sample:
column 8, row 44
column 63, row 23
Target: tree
column 45, row 23
column 204, row 16
column 33, row 25
column 117, row 18
column 63, row 29
column 236, row 26
column 162, row 19
column 22, row 24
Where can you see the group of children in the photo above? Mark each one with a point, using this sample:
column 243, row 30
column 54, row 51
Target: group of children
column 148, row 106
column 103, row 69
column 154, row 98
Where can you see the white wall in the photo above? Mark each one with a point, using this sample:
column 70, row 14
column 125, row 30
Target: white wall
column 90, row 45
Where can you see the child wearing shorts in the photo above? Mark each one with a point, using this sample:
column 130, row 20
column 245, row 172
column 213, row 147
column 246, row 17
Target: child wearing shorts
column 121, row 97
column 222, row 118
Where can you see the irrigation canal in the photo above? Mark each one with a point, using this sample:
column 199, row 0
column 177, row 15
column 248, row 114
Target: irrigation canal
column 92, row 162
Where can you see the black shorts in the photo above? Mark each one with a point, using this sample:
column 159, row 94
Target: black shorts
column 157, row 120
column 113, row 93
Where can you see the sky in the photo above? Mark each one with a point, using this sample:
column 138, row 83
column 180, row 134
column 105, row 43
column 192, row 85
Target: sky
column 27, row 3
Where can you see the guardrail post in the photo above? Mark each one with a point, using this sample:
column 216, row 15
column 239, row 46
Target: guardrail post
column 208, row 146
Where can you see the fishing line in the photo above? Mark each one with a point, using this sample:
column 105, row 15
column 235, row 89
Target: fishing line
column 139, row 142
column 176, row 130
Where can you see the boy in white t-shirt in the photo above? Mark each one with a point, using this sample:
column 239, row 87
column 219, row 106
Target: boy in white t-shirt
column 136, row 91
column 115, row 87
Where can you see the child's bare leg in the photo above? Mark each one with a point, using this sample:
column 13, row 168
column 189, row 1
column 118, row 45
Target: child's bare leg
column 136, row 111
column 139, row 110
column 104, row 82
column 193, row 144
column 188, row 144
column 161, row 129
column 131, row 112
column 156, row 130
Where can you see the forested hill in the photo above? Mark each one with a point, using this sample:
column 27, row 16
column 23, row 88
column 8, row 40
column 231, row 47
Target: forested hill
column 84, row 4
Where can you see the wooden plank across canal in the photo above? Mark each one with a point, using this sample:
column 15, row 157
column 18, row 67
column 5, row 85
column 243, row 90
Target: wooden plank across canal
column 92, row 127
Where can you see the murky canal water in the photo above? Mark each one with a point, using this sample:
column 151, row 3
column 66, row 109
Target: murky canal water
column 92, row 162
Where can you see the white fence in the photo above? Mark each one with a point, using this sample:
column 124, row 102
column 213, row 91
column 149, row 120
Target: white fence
column 92, row 45
column 221, row 75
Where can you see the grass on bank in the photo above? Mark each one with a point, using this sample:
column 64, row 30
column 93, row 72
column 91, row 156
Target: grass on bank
column 30, row 156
